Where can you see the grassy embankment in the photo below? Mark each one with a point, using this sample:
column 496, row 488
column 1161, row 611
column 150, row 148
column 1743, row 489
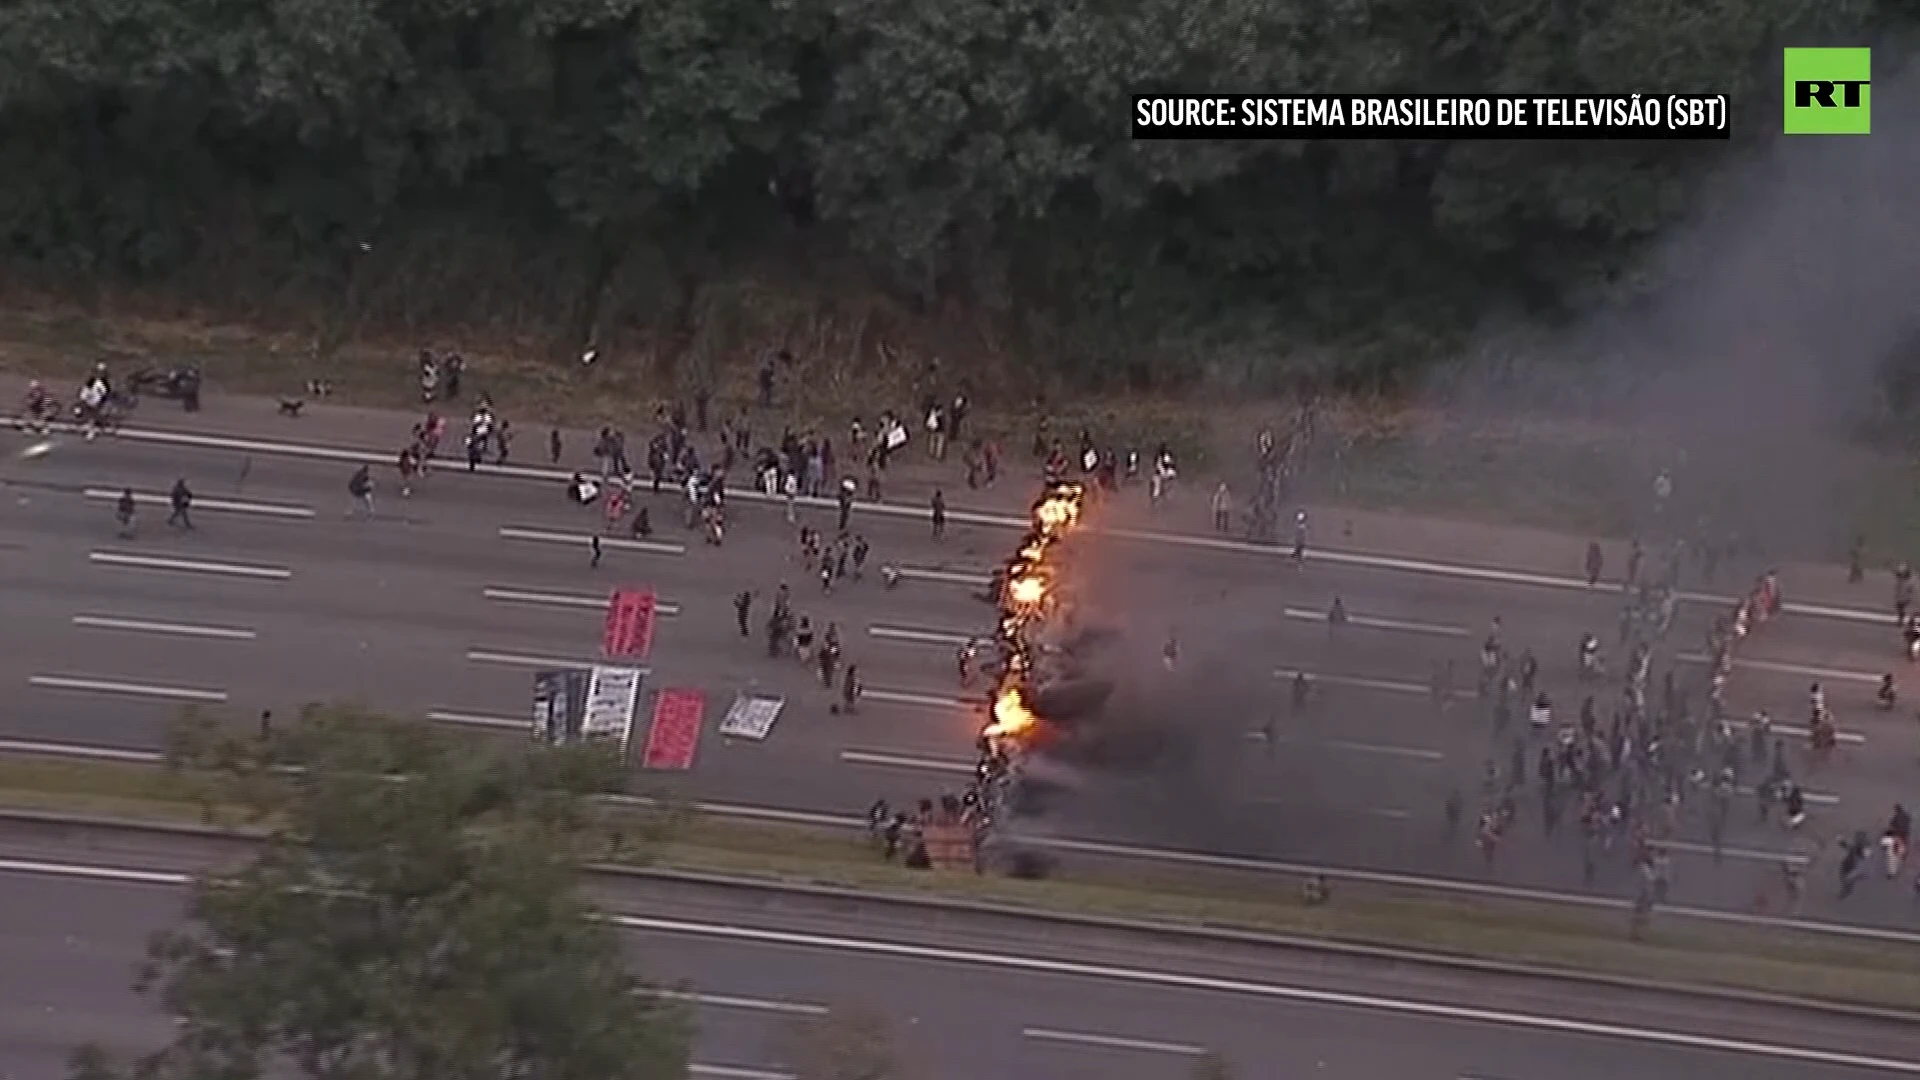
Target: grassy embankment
column 1772, row 961
column 1581, row 479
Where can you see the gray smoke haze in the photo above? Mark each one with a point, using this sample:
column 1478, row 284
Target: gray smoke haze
column 1751, row 345
column 1746, row 352
column 1168, row 759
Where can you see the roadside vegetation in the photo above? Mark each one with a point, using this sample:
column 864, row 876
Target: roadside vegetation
column 402, row 931
column 898, row 192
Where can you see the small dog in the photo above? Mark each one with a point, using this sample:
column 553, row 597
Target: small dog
column 316, row 388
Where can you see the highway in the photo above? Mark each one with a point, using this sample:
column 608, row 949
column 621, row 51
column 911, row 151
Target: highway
column 981, row 996
column 444, row 604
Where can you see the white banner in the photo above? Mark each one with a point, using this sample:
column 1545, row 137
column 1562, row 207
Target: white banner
column 752, row 717
column 612, row 696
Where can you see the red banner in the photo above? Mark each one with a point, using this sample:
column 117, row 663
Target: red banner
column 629, row 630
column 675, row 734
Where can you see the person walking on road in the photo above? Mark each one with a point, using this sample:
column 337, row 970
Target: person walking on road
column 593, row 545
column 360, row 488
column 939, row 514
column 1596, row 561
column 850, row 689
column 408, row 466
column 123, row 511
column 181, row 499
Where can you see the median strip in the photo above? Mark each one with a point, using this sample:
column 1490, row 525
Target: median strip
column 1775, row 956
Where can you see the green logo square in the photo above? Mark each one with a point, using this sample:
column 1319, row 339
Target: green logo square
column 1828, row 91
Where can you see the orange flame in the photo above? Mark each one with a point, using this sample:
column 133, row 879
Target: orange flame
column 1011, row 717
column 1023, row 599
column 1026, row 591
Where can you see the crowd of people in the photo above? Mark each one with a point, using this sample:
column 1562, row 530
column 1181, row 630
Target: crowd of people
column 1649, row 751
column 1651, row 748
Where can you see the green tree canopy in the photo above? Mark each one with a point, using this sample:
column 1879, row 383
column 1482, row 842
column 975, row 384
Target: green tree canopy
column 426, row 928
column 541, row 162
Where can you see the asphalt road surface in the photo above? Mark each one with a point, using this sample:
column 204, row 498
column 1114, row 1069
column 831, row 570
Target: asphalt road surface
column 445, row 603
column 977, row 997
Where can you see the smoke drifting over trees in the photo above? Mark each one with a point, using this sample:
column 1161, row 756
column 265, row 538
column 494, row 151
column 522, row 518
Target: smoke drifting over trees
column 1777, row 320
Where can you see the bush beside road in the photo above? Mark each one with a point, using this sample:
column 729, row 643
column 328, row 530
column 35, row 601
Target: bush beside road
column 1580, row 942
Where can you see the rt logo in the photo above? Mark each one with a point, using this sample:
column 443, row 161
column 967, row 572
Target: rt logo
column 1829, row 91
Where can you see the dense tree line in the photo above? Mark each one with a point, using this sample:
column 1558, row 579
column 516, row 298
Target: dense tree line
column 587, row 166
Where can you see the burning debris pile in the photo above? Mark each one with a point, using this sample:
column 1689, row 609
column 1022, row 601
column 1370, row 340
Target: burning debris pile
column 1027, row 596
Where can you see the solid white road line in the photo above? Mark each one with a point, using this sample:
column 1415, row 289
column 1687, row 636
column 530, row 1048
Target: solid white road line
column 1814, row 798
column 735, row 1072
column 1356, row 559
column 221, row 506
column 85, row 753
column 944, row 577
column 1136, row 976
column 467, row 719
column 192, row 566
column 1802, row 670
column 128, row 689
column 1387, row 813
column 506, row 595
column 143, row 626
column 1372, row 622
column 1111, row 1042
column 910, row 635
column 609, row 543
column 1794, row 731
column 510, row 659
column 1272, row 991
column 1414, row 753
column 902, row 761
column 924, row 701
column 1178, row 857
column 1744, row 854
column 745, row 1004
column 1391, row 686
